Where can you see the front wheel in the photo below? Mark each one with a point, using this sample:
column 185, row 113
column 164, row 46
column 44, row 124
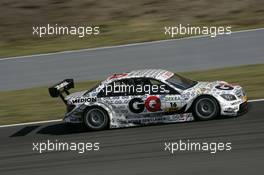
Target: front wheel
column 205, row 108
column 95, row 119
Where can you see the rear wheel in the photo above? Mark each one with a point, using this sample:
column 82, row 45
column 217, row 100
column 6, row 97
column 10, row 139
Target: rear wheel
column 205, row 108
column 95, row 118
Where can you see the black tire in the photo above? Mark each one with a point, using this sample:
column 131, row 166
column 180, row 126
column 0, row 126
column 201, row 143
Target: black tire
column 205, row 108
column 95, row 118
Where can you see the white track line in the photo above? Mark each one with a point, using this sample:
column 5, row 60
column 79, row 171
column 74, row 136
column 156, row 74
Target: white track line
column 30, row 123
column 120, row 46
column 256, row 100
column 58, row 120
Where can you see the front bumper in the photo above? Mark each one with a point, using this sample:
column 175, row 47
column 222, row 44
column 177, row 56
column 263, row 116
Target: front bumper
column 243, row 108
column 234, row 108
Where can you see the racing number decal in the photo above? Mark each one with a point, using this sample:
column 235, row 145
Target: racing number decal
column 173, row 105
column 152, row 104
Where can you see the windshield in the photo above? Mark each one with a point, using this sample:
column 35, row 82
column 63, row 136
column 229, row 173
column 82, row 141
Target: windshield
column 181, row 82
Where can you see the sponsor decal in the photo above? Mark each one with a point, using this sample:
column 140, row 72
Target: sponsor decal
column 121, row 111
column 152, row 104
column 117, row 76
column 158, row 118
column 136, row 105
column 224, row 87
column 83, row 100
column 168, row 74
column 173, row 98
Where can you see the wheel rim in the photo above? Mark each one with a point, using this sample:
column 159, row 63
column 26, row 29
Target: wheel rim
column 205, row 108
column 95, row 118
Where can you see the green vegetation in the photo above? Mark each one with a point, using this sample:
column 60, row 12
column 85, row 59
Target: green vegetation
column 121, row 21
column 35, row 104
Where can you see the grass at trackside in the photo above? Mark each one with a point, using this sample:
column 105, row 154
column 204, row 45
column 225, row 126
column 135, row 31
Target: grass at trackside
column 121, row 21
column 35, row 104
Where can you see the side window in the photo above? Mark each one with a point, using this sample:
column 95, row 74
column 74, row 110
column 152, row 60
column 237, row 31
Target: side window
column 159, row 87
column 116, row 88
column 151, row 86
column 141, row 86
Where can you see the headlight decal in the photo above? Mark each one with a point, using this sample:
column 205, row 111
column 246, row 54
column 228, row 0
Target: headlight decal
column 228, row 97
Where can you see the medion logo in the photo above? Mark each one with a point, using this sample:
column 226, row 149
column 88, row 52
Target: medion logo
column 84, row 100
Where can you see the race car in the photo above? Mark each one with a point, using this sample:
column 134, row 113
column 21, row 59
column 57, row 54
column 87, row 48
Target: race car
column 149, row 96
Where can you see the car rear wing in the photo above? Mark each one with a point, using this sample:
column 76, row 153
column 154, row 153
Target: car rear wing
column 61, row 88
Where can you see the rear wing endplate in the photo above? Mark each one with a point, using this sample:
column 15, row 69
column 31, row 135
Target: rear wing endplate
column 61, row 88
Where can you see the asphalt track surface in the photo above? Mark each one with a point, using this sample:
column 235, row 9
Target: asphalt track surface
column 175, row 55
column 139, row 150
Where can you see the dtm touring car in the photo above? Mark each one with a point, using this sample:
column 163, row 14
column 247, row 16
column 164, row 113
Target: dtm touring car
column 148, row 96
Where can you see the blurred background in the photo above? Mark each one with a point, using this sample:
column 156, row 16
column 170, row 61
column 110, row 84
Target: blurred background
column 120, row 21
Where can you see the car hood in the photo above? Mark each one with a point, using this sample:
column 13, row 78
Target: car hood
column 214, row 88
column 217, row 86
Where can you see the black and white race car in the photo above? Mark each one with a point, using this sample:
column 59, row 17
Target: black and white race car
column 149, row 96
